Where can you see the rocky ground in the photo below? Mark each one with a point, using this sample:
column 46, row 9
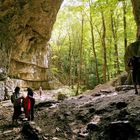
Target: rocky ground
column 105, row 113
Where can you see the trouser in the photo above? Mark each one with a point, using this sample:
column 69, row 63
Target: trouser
column 29, row 114
column 32, row 114
column 17, row 112
column 136, row 79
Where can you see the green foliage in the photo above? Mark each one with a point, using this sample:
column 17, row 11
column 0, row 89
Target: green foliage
column 66, row 39
column 61, row 96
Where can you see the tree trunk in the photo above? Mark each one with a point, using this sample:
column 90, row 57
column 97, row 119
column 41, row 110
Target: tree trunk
column 136, row 12
column 124, row 24
column 104, row 47
column 70, row 62
column 80, row 53
column 93, row 46
column 116, row 54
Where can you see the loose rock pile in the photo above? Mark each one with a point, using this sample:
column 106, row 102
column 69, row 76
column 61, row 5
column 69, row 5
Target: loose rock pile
column 96, row 115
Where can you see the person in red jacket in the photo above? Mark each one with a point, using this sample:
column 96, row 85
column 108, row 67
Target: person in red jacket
column 28, row 105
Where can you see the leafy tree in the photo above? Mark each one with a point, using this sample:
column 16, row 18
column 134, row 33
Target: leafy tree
column 91, row 51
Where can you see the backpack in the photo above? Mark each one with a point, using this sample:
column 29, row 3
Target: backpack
column 15, row 100
column 134, row 63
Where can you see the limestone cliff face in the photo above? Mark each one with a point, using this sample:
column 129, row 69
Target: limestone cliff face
column 25, row 29
column 132, row 50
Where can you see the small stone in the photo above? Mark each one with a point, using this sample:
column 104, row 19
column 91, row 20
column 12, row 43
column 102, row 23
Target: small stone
column 38, row 129
column 120, row 122
column 55, row 138
column 45, row 138
column 58, row 129
column 32, row 123
column 83, row 135
column 8, row 131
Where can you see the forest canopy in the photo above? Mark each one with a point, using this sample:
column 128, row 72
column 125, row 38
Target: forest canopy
column 89, row 40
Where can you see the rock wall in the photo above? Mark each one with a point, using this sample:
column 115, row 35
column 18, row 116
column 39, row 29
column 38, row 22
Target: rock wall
column 132, row 50
column 25, row 29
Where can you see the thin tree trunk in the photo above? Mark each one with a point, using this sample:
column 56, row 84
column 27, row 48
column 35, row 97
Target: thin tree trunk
column 70, row 63
column 73, row 60
column 93, row 45
column 110, row 58
column 81, row 51
column 124, row 24
column 116, row 54
column 104, row 48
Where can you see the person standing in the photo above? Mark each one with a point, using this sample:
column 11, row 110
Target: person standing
column 16, row 99
column 28, row 105
column 134, row 64
column 6, row 96
column 40, row 91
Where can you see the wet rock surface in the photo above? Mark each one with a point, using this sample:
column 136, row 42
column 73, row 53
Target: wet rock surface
column 109, row 116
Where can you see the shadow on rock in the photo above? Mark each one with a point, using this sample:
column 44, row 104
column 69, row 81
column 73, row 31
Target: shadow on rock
column 28, row 132
column 120, row 130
